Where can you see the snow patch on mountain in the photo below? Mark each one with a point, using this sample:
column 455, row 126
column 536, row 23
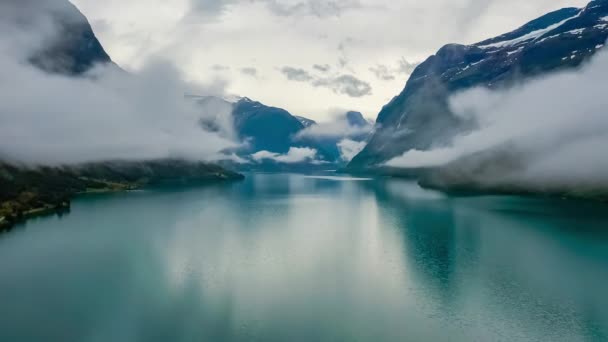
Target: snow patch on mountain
column 305, row 121
column 527, row 37
column 520, row 49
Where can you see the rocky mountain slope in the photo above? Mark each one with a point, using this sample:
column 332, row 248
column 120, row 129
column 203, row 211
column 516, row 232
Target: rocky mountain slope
column 69, row 45
column 260, row 127
column 420, row 118
column 265, row 128
column 306, row 122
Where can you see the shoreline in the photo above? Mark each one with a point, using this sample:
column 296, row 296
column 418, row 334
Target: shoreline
column 420, row 176
column 4, row 225
column 473, row 190
column 8, row 223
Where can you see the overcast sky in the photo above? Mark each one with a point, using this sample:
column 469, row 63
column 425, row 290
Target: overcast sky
column 311, row 57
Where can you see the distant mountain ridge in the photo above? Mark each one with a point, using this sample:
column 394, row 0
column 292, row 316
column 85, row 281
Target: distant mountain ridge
column 420, row 118
column 356, row 119
column 263, row 128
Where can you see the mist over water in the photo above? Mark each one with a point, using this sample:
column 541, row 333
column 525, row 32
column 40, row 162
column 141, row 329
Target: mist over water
column 288, row 257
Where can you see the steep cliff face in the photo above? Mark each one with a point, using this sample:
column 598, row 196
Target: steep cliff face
column 75, row 51
column 420, row 117
column 62, row 38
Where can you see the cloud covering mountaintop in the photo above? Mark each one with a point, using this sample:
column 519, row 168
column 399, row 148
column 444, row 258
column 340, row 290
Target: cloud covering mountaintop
column 107, row 114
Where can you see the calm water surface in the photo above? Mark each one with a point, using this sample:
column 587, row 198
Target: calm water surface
column 295, row 258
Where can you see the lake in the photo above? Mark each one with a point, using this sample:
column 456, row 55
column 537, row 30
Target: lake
column 281, row 257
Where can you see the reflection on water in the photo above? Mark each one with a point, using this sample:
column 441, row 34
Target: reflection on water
column 294, row 258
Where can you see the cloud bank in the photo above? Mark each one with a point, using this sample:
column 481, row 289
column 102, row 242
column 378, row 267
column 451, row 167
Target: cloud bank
column 350, row 148
column 107, row 114
column 550, row 133
column 338, row 128
column 347, row 132
column 295, row 155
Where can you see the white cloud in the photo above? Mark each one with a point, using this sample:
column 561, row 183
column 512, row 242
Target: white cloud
column 555, row 127
column 231, row 157
column 350, row 148
column 294, row 156
column 106, row 115
column 339, row 127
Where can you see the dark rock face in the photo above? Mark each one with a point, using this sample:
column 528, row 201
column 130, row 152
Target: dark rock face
column 356, row 119
column 77, row 52
column 265, row 128
column 67, row 43
column 276, row 130
column 420, row 117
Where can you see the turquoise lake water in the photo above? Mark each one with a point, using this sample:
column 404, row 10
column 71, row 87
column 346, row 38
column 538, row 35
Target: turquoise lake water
column 282, row 257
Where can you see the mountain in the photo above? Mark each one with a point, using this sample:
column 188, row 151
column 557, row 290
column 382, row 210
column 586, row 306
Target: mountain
column 420, row 118
column 275, row 130
column 76, row 50
column 306, row 122
column 356, row 119
column 73, row 47
column 265, row 128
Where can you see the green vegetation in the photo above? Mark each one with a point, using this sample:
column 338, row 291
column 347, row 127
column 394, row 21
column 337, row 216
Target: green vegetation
column 27, row 191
